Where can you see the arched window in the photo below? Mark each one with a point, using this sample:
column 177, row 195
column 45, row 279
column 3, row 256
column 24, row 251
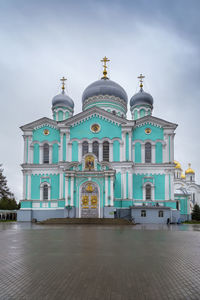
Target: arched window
column 106, row 151
column 148, row 192
column 95, row 149
column 46, row 154
column 84, row 148
column 147, row 153
column 45, row 192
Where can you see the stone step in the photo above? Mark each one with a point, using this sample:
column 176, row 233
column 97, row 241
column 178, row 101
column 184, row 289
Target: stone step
column 100, row 221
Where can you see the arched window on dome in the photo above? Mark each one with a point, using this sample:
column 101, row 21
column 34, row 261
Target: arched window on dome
column 45, row 192
column 106, row 151
column 148, row 192
column 147, row 152
column 46, row 154
column 84, row 148
column 114, row 112
column 95, row 148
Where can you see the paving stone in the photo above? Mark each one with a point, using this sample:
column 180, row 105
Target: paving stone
column 99, row 262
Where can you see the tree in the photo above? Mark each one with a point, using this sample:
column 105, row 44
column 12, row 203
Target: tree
column 196, row 213
column 4, row 190
column 7, row 200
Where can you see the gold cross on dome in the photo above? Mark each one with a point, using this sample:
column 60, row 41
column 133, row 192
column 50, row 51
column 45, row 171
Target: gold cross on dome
column 105, row 60
column 63, row 79
column 141, row 77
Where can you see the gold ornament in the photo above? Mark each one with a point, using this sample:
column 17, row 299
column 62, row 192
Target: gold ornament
column 148, row 130
column 46, row 132
column 95, row 128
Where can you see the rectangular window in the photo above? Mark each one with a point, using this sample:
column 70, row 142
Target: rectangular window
column 160, row 214
column 143, row 213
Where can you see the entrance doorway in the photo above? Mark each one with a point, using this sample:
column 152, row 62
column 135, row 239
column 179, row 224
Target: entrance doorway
column 89, row 200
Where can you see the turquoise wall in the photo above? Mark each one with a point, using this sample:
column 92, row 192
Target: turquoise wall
column 117, row 186
column 127, row 146
column 64, row 147
column 159, row 153
column 183, row 204
column 74, row 151
column 156, row 133
column 60, row 115
column 159, row 187
column 116, row 151
column 38, row 134
column 138, row 158
column 55, row 154
column 36, row 154
column 135, row 115
column 142, row 113
column 137, row 186
column 27, row 204
column 139, row 180
column 66, row 115
column 108, row 129
column 35, row 185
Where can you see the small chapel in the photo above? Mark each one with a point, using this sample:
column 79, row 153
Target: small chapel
column 98, row 163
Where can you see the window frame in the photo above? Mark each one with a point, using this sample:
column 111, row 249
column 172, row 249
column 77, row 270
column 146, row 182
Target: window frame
column 148, row 152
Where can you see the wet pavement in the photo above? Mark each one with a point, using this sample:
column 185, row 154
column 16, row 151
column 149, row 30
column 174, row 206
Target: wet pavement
column 99, row 262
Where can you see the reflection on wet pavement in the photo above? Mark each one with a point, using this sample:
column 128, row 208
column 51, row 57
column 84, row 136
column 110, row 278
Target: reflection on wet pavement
column 99, row 262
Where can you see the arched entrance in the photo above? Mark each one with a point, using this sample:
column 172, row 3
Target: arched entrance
column 89, row 201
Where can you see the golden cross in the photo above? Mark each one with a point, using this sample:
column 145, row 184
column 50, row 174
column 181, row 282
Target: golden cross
column 105, row 60
column 141, row 77
column 63, row 79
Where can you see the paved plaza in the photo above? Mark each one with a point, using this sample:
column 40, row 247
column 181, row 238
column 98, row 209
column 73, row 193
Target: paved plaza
column 99, row 262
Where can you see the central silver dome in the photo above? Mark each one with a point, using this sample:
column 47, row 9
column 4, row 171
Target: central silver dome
column 104, row 87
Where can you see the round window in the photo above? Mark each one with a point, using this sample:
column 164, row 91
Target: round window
column 95, row 128
column 148, row 130
column 46, row 132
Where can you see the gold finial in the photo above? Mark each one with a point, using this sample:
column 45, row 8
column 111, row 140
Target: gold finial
column 105, row 60
column 141, row 77
column 63, row 83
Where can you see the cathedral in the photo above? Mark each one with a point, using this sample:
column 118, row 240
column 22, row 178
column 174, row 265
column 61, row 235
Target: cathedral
column 99, row 164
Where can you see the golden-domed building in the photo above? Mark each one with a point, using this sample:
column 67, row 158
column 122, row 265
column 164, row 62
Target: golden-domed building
column 185, row 183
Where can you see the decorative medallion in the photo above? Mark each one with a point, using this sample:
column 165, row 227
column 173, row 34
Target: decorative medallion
column 89, row 188
column 46, row 132
column 147, row 130
column 95, row 128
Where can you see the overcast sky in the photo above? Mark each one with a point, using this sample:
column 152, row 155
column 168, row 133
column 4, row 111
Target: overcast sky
column 41, row 41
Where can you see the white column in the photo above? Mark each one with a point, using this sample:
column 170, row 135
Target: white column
column 121, row 151
column 130, row 143
column 166, row 149
column 143, row 153
column 29, row 149
column 166, row 186
column 79, row 151
column 50, row 153
column 106, row 190
column 153, row 157
column 24, row 186
column 130, row 186
column 111, row 152
column 61, row 186
column 69, row 151
column 124, row 185
column 133, row 152
column 124, row 146
column 100, row 151
column 172, row 147
column 67, row 146
column 172, row 186
column 31, row 154
column 61, row 146
column 66, row 190
column 111, row 191
column 29, row 186
column 72, row 191
column 25, row 148
column 89, row 146
column 59, row 153
column 41, row 154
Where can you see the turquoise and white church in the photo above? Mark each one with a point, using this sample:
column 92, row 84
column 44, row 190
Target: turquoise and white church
column 99, row 164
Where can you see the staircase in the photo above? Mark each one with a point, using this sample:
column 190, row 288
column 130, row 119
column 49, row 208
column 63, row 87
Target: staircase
column 82, row 221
